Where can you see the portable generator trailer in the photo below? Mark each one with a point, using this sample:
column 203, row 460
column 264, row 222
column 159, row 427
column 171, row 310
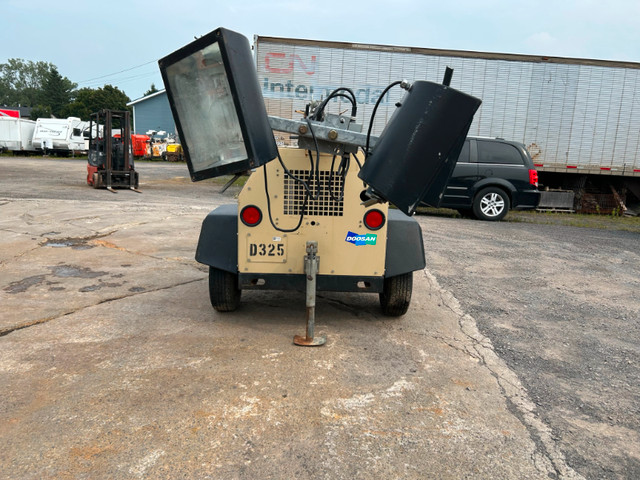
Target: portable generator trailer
column 110, row 161
column 319, row 217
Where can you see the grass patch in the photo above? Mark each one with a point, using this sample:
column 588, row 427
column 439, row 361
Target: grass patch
column 604, row 222
column 438, row 212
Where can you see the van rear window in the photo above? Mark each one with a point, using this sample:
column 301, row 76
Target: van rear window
column 464, row 153
column 496, row 152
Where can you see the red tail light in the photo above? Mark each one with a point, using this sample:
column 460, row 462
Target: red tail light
column 533, row 177
column 251, row 215
column 374, row 219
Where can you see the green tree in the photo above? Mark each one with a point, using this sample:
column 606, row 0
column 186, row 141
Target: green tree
column 40, row 111
column 56, row 91
column 21, row 82
column 151, row 90
column 89, row 100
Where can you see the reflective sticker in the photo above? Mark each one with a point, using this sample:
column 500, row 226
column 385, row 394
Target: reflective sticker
column 357, row 239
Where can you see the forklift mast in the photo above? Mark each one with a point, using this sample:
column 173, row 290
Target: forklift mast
column 110, row 157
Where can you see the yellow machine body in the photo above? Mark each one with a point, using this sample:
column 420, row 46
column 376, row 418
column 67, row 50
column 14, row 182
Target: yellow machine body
column 346, row 246
column 174, row 148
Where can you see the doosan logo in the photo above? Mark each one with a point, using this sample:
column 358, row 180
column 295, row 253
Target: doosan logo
column 358, row 239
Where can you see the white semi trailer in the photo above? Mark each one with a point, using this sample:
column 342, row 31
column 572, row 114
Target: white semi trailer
column 579, row 118
column 16, row 135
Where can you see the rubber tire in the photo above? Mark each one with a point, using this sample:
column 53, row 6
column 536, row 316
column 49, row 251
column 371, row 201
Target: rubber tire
column 97, row 180
column 395, row 297
column 223, row 290
column 488, row 195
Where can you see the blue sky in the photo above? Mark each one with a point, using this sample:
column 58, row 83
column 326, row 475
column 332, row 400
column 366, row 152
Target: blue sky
column 119, row 42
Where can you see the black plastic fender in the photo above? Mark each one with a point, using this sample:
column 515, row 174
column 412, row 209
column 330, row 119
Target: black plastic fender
column 405, row 250
column 218, row 242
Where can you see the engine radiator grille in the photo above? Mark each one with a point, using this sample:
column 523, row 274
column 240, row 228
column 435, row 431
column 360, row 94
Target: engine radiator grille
column 329, row 202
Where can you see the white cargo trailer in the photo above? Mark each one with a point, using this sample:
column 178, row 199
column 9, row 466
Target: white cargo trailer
column 579, row 118
column 65, row 134
column 16, row 135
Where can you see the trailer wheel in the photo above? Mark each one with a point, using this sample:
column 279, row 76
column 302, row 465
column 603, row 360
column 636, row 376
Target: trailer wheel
column 491, row 203
column 396, row 294
column 223, row 290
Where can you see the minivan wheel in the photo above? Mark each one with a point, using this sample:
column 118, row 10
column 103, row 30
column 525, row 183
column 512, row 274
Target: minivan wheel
column 491, row 204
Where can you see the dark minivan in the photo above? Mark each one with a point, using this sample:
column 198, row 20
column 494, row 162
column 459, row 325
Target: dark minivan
column 491, row 176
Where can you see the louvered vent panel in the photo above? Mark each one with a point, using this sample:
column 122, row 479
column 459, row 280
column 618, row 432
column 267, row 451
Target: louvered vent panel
column 329, row 202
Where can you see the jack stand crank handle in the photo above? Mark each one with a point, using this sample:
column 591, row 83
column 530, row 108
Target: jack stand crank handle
column 311, row 261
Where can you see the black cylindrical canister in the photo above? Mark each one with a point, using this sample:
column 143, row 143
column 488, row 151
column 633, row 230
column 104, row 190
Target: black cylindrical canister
column 417, row 150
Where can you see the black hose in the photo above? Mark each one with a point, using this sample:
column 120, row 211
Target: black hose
column 373, row 114
column 302, row 182
column 315, row 142
column 334, row 94
column 343, row 168
column 302, row 210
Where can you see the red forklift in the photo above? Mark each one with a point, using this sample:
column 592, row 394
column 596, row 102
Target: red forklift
column 110, row 154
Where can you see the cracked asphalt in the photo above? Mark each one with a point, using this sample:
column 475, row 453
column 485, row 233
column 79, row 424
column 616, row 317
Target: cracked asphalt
column 561, row 307
column 114, row 365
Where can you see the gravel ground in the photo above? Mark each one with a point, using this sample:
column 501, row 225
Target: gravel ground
column 560, row 305
column 114, row 365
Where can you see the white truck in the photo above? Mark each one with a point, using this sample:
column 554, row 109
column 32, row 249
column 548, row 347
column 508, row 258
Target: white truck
column 16, row 135
column 65, row 135
column 579, row 118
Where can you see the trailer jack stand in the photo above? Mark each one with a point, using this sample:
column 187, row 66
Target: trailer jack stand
column 311, row 261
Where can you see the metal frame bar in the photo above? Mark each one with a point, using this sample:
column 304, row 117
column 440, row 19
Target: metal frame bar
column 322, row 132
